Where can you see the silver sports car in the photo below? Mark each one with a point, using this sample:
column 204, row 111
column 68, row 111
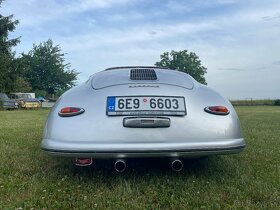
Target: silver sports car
column 125, row 112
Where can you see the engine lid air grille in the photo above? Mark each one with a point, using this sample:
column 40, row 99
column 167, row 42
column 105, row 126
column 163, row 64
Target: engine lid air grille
column 143, row 74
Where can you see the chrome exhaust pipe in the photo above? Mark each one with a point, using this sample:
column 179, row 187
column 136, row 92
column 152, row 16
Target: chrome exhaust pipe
column 120, row 165
column 176, row 164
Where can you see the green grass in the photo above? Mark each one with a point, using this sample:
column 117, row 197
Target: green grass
column 249, row 180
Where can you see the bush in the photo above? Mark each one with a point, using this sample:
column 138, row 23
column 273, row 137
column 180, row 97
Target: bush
column 277, row 102
column 40, row 93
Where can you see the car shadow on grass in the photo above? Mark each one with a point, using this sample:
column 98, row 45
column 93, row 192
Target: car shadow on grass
column 143, row 167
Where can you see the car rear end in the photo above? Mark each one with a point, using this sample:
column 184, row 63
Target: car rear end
column 142, row 112
column 30, row 103
column 7, row 103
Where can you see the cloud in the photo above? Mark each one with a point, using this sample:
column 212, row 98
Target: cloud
column 143, row 34
column 188, row 6
column 231, row 69
column 236, row 40
column 276, row 63
column 36, row 13
column 268, row 67
column 271, row 18
column 79, row 6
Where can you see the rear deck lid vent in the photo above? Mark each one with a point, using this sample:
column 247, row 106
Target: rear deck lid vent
column 143, row 74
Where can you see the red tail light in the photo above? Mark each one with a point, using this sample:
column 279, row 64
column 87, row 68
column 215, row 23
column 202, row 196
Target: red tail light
column 70, row 111
column 219, row 110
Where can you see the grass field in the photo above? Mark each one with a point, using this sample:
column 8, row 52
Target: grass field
column 31, row 180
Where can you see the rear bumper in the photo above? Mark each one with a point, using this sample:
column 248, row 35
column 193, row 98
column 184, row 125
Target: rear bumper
column 10, row 107
column 31, row 105
column 5, row 106
column 127, row 150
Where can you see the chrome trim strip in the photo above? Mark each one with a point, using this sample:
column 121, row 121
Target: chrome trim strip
column 146, row 152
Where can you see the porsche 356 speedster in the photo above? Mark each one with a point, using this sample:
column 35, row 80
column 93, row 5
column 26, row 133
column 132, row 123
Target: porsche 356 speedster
column 126, row 112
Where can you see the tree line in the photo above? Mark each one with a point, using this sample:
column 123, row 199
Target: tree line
column 42, row 70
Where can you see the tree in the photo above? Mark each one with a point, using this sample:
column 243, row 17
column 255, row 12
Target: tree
column 185, row 62
column 8, row 66
column 21, row 85
column 45, row 68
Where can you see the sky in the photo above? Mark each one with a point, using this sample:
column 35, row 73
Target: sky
column 237, row 41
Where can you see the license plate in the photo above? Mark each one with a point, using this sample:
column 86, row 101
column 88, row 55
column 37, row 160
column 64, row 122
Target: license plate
column 146, row 105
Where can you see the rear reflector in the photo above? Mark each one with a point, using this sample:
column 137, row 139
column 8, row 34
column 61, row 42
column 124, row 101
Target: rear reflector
column 83, row 161
column 70, row 111
column 218, row 110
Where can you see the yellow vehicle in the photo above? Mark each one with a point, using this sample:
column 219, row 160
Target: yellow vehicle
column 25, row 100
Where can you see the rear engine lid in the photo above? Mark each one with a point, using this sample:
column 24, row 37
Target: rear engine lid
column 141, row 76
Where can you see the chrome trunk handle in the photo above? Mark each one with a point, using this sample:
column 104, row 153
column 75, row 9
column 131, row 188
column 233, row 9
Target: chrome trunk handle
column 146, row 122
